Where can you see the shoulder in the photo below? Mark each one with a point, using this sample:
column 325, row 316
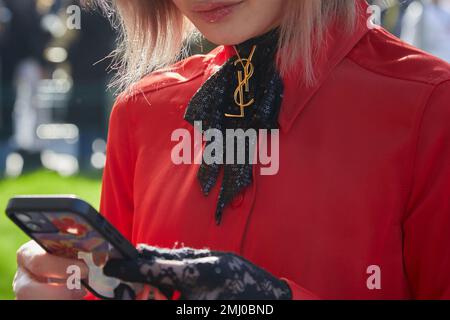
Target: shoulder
column 403, row 79
column 384, row 54
column 171, row 85
column 184, row 71
column 162, row 94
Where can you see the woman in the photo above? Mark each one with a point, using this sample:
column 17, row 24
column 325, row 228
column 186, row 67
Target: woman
column 358, row 206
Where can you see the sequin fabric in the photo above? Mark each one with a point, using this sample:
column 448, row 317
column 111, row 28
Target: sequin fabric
column 216, row 98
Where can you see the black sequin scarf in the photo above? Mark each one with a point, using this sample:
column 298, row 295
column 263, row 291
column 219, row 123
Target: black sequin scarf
column 219, row 95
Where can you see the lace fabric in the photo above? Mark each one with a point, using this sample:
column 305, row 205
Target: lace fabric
column 199, row 275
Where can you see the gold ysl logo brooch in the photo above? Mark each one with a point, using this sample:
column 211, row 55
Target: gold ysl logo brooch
column 243, row 83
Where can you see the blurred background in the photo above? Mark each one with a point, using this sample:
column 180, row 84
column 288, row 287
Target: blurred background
column 54, row 106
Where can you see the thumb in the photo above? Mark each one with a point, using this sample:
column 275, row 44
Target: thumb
column 125, row 270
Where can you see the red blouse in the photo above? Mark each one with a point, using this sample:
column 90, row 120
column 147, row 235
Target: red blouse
column 364, row 177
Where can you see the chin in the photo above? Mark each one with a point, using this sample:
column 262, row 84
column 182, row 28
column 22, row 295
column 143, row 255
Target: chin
column 221, row 35
column 226, row 41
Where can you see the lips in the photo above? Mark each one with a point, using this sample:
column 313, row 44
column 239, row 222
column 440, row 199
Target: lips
column 215, row 11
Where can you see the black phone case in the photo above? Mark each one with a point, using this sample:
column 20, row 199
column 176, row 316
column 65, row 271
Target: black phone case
column 68, row 225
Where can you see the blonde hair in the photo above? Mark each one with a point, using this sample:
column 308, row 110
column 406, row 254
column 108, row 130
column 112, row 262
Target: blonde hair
column 153, row 34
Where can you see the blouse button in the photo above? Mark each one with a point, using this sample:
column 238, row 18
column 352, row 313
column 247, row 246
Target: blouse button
column 238, row 200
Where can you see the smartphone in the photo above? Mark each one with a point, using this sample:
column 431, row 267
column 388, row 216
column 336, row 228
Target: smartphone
column 71, row 228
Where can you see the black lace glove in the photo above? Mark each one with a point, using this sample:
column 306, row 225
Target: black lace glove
column 199, row 275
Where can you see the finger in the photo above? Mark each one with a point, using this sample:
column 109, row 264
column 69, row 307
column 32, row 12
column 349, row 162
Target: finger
column 26, row 287
column 150, row 252
column 37, row 261
column 125, row 270
column 174, row 274
column 183, row 276
column 124, row 292
column 158, row 295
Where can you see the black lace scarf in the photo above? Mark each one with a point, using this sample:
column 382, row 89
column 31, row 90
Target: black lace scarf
column 217, row 97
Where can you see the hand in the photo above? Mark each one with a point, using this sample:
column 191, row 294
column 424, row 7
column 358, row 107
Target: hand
column 42, row 276
column 199, row 275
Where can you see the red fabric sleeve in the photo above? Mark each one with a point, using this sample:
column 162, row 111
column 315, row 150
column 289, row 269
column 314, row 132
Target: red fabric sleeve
column 426, row 228
column 116, row 202
column 299, row 293
column 117, row 188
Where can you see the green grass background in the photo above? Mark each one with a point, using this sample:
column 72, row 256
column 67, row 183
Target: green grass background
column 40, row 182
